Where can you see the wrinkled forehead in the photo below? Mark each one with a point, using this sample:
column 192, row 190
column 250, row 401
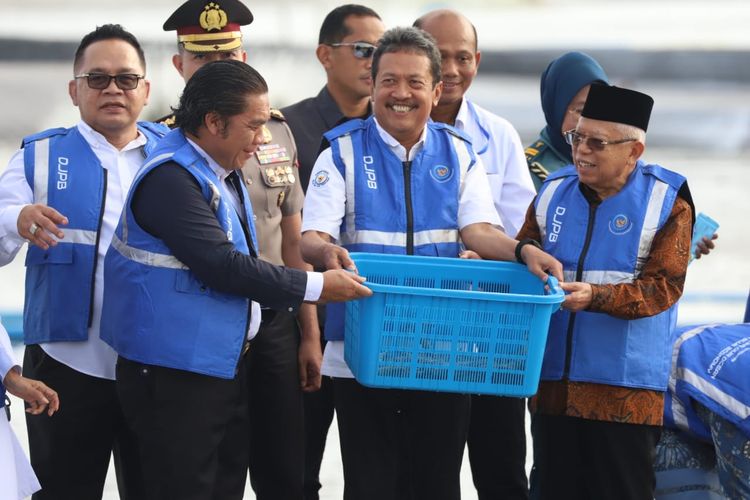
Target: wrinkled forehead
column 405, row 61
column 597, row 128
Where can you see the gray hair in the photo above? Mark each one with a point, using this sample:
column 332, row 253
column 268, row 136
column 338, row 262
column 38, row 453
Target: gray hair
column 413, row 40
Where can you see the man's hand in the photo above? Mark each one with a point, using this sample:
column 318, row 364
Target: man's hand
column 705, row 245
column 541, row 263
column 336, row 257
column 469, row 254
column 38, row 223
column 35, row 393
column 340, row 286
column 579, row 296
column 309, row 359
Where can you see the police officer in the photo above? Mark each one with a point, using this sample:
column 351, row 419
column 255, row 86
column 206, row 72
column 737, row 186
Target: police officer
column 281, row 361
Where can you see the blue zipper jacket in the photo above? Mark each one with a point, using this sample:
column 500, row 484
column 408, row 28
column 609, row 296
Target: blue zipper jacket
column 607, row 244
column 65, row 174
column 156, row 311
column 398, row 207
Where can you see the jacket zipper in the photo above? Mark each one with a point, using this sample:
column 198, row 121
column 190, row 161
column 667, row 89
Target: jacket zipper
column 409, row 209
column 96, row 249
column 579, row 277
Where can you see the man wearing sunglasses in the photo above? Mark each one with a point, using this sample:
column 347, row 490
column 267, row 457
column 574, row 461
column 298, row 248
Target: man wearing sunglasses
column 346, row 43
column 284, row 357
column 621, row 229
column 63, row 193
column 497, row 436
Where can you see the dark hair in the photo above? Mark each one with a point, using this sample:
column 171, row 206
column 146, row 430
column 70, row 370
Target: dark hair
column 220, row 87
column 420, row 22
column 108, row 32
column 412, row 40
column 334, row 29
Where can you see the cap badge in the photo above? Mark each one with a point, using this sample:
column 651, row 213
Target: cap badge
column 212, row 17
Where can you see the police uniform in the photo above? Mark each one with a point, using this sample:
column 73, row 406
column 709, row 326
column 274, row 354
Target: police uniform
column 543, row 159
column 271, row 177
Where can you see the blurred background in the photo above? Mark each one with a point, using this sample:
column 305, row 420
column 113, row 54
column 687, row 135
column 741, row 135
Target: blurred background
column 692, row 56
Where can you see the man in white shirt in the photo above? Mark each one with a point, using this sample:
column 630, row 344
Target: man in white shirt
column 497, row 436
column 63, row 193
column 419, row 189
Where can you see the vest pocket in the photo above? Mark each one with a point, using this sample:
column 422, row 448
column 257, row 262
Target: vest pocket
column 186, row 282
column 62, row 253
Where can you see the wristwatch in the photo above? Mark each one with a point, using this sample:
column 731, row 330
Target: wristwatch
column 521, row 244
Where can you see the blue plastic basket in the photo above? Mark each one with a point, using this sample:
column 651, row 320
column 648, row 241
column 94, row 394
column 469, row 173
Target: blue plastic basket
column 454, row 325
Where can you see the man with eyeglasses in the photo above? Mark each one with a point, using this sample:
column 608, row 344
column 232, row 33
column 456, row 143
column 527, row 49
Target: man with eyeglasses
column 63, row 193
column 346, row 43
column 284, row 357
column 621, row 229
column 497, row 435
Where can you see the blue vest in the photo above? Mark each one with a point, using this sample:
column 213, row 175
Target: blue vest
column 156, row 311
column 393, row 208
column 2, row 396
column 608, row 244
column 65, row 174
column 710, row 365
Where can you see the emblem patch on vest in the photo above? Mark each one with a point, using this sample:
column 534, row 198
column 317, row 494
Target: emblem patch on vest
column 620, row 224
column 320, row 178
column 441, row 173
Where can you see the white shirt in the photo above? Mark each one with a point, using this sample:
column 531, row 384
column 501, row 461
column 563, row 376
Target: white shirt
column 496, row 141
column 314, row 285
column 16, row 475
column 92, row 357
column 325, row 206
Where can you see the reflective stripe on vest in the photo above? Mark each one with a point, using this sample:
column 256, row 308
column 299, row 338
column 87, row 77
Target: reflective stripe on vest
column 41, row 171
column 650, row 226
column 145, row 257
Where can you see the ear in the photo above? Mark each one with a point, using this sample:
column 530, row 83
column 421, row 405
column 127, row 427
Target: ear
column 214, row 123
column 147, row 89
column 436, row 92
column 636, row 151
column 177, row 62
column 244, row 56
column 323, row 53
column 477, row 58
column 73, row 92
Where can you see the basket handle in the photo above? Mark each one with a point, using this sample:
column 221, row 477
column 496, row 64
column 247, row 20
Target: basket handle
column 553, row 286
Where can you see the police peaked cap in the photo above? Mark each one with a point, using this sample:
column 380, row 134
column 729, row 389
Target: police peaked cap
column 209, row 25
column 615, row 104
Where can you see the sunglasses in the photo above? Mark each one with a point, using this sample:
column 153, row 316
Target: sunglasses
column 361, row 50
column 575, row 139
column 100, row 81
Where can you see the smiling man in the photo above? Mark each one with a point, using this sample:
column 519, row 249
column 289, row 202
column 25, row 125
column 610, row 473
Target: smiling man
column 621, row 229
column 180, row 308
column 398, row 183
column 63, row 192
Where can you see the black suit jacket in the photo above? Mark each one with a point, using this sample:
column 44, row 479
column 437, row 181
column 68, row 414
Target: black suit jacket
column 309, row 119
column 168, row 204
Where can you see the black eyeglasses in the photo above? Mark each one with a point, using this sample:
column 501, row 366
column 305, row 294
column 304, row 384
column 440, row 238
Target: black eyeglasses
column 100, row 81
column 362, row 50
column 594, row 143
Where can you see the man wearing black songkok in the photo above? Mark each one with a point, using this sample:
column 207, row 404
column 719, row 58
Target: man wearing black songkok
column 621, row 229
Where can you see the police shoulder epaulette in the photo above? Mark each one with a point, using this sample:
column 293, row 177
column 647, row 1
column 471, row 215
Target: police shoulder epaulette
column 535, row 150
column 167, row 120
column 278, row 115
column 43, row 135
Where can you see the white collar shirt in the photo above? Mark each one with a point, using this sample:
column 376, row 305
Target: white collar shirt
column 498, row 145
column 92, row 356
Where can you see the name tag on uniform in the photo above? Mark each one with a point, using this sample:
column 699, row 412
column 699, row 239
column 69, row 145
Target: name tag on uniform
column 272, row 153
